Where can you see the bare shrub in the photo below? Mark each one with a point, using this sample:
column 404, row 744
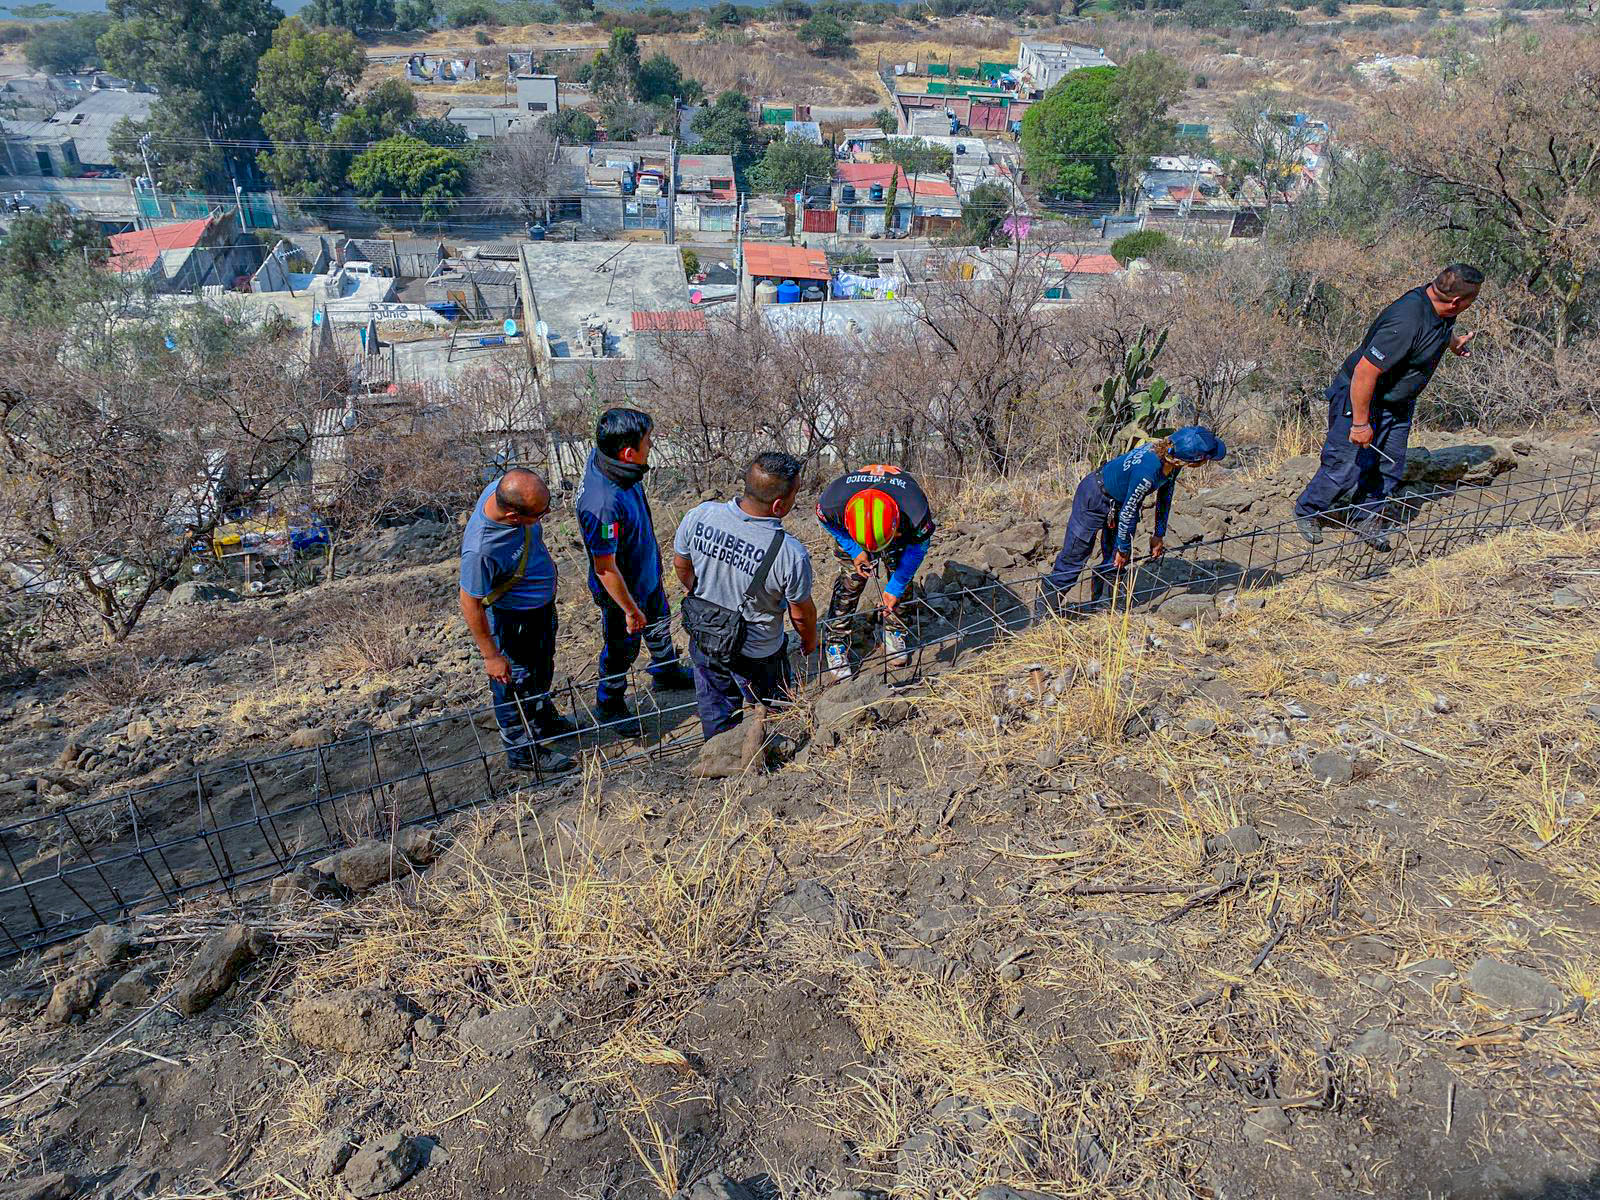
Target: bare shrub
column 370, row 639
column 119, row 455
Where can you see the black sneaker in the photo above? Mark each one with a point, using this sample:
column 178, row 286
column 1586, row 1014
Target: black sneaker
column 676, row 678
column 616, row 717
column 550, row 725
column 1371, row 532
column 541, row 761
column 1309, row 529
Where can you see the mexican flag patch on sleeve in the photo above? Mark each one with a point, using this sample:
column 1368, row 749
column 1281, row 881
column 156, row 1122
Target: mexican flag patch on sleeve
column 609, row 532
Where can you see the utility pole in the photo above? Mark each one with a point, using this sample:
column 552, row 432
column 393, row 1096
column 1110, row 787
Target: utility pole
column 738, row 253
column 672, row 182
column 144, row 153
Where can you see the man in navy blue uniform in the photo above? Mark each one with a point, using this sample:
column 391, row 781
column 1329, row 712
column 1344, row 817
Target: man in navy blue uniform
column 1371, row 400
column 1107, row 505
column 508, row 600
column 625, row 565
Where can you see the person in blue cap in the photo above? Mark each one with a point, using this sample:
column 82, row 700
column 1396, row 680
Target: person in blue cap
column 619, row 534
column 1108, row 502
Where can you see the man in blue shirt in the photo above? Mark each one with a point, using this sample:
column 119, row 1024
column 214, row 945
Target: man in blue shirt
column 625, row 565
column 1372, row 398
column 508, row 600
column 1108, row 502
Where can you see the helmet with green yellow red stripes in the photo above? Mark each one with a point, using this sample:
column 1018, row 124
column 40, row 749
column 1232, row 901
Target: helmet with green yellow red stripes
column 872, row 518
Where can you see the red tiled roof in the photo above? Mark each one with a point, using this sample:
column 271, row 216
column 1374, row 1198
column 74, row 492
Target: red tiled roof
column 138, row 251
column 869, row 173
column 1088, row 264
column 784, row 262
column 670, row 321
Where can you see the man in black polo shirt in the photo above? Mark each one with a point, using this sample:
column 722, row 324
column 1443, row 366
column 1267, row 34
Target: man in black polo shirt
column 1371, row 399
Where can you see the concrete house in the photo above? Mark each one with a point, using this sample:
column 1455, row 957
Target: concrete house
column 708, row 198
column 1042, row 65
column 538, row 94
column 189, row 255
column 76, row 139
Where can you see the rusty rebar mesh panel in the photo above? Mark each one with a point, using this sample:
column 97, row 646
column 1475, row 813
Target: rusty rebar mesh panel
column 230, row 825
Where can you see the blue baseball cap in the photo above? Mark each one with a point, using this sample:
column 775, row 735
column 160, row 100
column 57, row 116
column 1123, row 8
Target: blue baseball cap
column 1197, row 444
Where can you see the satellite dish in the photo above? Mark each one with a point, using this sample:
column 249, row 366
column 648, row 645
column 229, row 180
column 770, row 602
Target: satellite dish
column 695, row 296
column 542, row 329
column 510, row 327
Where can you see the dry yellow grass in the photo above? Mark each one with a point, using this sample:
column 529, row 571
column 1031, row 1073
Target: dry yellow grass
column 532, row 905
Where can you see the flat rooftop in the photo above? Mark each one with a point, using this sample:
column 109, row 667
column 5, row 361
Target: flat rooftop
column 578, row 285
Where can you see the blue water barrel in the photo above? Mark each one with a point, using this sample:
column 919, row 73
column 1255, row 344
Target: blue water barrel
column 876, row 193
column 536, row 233
column 788, row 292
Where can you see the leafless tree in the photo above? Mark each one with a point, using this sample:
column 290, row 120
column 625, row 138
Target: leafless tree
column 117, row 458
column 1270, row 148
column 521, row 170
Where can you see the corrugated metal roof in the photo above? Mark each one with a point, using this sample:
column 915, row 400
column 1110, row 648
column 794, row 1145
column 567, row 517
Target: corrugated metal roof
column 784, row 262
column 673, row 321
column 140, row 250
column 91, row 121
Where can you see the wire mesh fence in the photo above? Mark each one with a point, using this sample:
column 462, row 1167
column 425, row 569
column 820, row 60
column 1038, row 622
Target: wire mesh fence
column 227, row 827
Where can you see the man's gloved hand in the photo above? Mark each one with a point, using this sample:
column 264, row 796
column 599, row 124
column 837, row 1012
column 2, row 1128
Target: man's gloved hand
column 863, row 565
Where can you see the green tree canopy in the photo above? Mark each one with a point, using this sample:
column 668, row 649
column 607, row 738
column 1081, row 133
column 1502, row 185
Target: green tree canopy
column 614, row 73
column 354, row 15
column 301, row 84
column 1067, row 138
column 37, row 247
column 67, row 46
column 438, row 131
column 788, row 162
column 386, row 110
column 727, row 127
column 660, row 79
column 1141, row 244
column 982, row 213
column 827, row 35
column 884, row 120
column 1146, row 87
column 201, row 55
column 403, row 176
column 415, row 14
column 571, row 125
column 915, row 156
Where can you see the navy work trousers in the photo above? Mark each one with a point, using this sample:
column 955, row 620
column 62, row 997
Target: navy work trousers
column 1362, row 473
column 721, row 690
column 1092, row 518
column 522, row 708
column 621, row 649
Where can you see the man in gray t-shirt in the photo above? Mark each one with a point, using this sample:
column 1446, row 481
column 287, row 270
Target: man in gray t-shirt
column 717, row 551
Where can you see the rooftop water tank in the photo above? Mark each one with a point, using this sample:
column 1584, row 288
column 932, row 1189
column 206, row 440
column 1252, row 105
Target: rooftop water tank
column 536, row 233
column 788, row 292
column 847, row 194
column 876, row 194
column 812, row 293
column 766, row 292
